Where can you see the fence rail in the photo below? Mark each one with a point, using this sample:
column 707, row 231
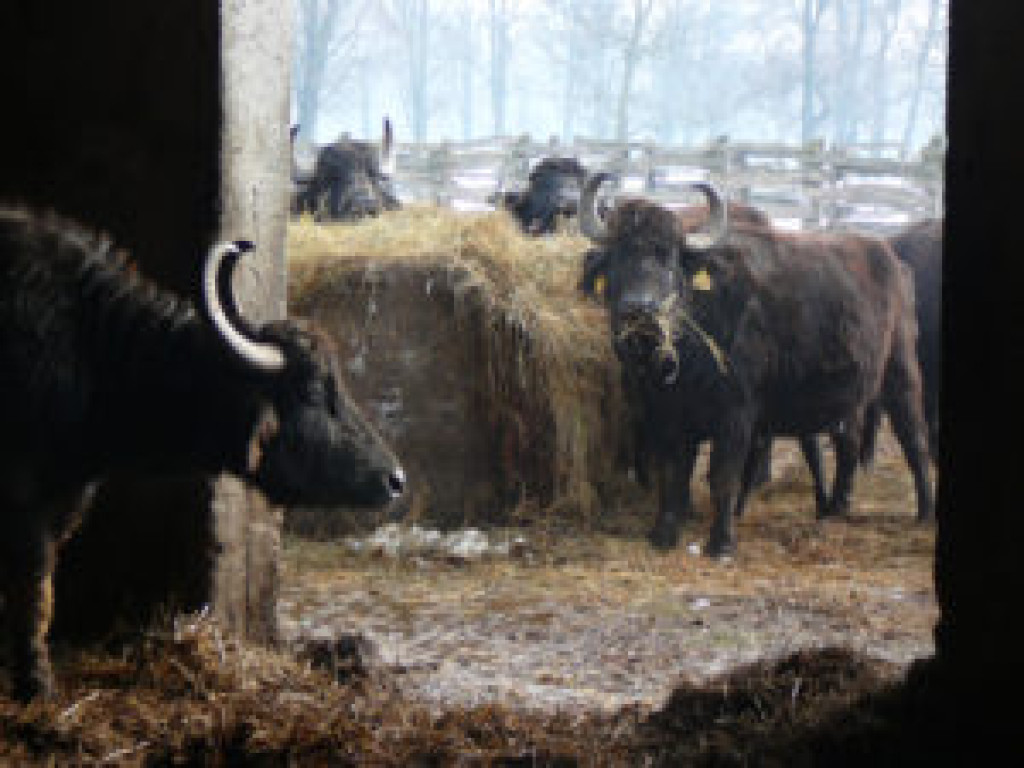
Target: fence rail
column 868, row 187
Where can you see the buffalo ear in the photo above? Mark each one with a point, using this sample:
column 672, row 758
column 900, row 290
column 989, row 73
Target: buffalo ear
column 595, row 269
column 266, row 430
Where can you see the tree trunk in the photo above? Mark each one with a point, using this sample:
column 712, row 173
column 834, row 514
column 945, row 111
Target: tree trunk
column 887, row 29
column 418, row 74
column 571, row 65
column 466, row 71
column 922, row 64
column 641, row 11
column 848, row 90
column 499, row 63
column 317, row 25
column 812, row 15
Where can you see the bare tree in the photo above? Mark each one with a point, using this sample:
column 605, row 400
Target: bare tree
column 327, row 49
column 467, row 55
column 499, row 20
column 572, row 64
column 809, row 119
column 848, row 87
column 927, row 41
column 631, row 54
column 410, row 22
column 888, row 22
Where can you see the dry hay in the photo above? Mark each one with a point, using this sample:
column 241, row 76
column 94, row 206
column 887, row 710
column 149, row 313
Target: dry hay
column 540, row 355
column 189, row 694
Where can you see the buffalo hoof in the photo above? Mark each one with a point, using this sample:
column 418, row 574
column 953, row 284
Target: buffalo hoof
column 834, row 512
column 38, row 685
column 664, row 537
column 721, row 549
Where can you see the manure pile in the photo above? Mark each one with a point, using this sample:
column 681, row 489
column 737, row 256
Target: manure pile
column 472, row 349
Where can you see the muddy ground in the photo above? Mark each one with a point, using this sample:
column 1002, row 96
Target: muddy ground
column 569, row 649
column 594, row 621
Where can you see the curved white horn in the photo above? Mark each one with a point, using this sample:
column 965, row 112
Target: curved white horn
column 591, row 224
column 266, row 357
column 718, row 219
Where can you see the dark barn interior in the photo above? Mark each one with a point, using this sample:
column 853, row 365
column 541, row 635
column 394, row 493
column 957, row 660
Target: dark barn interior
column 113, row 114
column 113, row 117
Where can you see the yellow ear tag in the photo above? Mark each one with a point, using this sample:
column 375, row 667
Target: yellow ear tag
column 701, row 281
column 599, row 283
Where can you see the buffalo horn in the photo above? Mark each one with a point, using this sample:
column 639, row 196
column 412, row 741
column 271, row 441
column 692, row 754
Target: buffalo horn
column 387, row 149
column 220, row 263
column 591, row 224
column 718, row 221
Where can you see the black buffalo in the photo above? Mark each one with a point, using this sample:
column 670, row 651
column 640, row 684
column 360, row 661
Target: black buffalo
column 350, row 180
column 673, row 477
column 553, row 191
column 102, row 373
column 745, row 333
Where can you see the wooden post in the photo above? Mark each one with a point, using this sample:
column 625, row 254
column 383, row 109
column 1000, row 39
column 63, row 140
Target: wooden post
column 256, row 60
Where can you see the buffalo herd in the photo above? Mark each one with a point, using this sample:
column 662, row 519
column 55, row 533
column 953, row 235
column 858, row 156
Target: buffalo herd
column 726, row 330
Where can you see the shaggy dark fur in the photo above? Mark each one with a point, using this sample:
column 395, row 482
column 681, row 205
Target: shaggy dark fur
column 766, row 334
column 553, row 191
column 672, row 462
column 102, row 373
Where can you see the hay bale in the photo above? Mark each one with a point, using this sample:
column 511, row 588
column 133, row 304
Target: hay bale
column 472, row 349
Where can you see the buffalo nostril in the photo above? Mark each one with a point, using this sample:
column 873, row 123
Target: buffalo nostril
column 669, row 370
column 396, row 483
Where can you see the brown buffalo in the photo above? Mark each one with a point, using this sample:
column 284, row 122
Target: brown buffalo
column 741, row 333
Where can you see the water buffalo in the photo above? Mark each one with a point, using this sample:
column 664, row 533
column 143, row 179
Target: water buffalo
column 673, row 476
column 350, row 180
column 743, row 333
column 103, row 373
column 553, row 191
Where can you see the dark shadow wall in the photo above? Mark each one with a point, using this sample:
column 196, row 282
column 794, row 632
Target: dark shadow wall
column 981, row 522
column 111, row 114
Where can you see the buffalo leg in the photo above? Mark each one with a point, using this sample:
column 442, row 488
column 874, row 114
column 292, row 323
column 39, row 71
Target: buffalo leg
column 30, row 538
column 906, row 414
column 760, row 456
column 641, row 452
column 729, row 454
column 30, row 557
column 811, row 449
column 872, row 424
column 675, row 504
column 761, row 469
column 847, row 442
column 931, row 416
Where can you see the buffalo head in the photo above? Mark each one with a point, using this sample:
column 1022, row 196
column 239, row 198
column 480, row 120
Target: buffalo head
column 352, row 179
column 311, row 444
column 553, row 191
column 661, row 274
